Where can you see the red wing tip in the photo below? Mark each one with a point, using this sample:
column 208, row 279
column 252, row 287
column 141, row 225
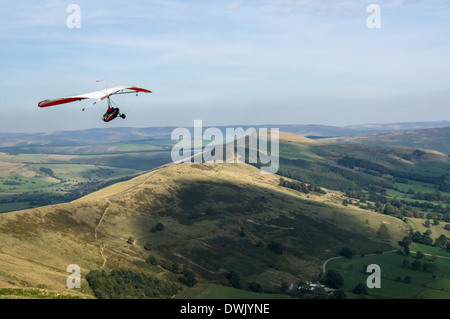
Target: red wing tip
column 42, row 102
column 48, row 102
column 140, row 89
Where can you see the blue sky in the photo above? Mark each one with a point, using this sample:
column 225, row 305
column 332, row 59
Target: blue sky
column 226, row 62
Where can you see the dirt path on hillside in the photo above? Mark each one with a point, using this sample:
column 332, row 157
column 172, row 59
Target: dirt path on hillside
column 102, row 246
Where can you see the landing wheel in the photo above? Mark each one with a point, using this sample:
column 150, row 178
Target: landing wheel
column 123, row 115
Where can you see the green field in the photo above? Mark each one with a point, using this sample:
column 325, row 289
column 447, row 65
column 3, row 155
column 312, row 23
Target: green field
column 215, row 291
column 424, row 284
column 74, row 170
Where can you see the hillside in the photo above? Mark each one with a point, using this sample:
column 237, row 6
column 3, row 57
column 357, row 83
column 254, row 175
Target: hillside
column 217, row 218
column 399, row 181
column 399, row 126
column 431, row 138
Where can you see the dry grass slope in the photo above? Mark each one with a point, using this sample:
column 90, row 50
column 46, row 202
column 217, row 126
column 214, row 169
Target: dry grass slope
column 39, row 244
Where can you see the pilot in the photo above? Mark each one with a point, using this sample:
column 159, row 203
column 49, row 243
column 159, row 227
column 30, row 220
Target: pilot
column 111, row 114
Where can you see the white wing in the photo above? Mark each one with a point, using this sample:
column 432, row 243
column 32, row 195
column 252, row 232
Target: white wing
column 98, row 95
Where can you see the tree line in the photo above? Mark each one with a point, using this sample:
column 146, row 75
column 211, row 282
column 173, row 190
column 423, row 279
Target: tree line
column 128, row 284
column 435, row 196
column 424, row 238
column 352, row 162
column 301, row 187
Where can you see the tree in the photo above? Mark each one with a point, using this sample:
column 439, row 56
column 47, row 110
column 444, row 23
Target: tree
column 188, row 278
column 47, row 171
column 441, row 241
column 405, row 263
column 334, row 279
column 417, row 237
column 389, row 209
column 360, row 289
column 151, row 260
column 175, row 268
column 158, row 227
column 256, row 287
column 234, row 279
column 405, row 242
column 338, row 294
column 275, row 247
column 379, row 206
column 121, row 284
column 284, row 286
column 407, row 279
column 406, row 250
column 346, row 252
column 427, row 240
column 416, row 265
column 383, row 232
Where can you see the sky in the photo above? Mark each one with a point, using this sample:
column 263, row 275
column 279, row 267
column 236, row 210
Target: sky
column 225, row 62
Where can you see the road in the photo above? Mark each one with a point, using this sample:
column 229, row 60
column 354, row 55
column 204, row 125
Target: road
column 332, row 258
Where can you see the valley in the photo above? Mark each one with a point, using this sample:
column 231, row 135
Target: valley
column 207, row 229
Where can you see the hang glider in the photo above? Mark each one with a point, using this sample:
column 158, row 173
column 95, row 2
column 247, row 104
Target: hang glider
column 112, row 112
column 98, row 95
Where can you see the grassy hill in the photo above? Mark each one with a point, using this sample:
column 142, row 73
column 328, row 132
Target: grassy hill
column 398, row 175
column 231, row 225
column 430, row 138
column 217, row 218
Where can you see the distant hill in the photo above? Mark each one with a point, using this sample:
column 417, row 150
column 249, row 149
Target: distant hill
column 83, row 137
column 437, row 139
column 123, row 134
column 399, row 126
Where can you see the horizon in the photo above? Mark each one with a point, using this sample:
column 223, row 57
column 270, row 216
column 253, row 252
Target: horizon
column 356, row 127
